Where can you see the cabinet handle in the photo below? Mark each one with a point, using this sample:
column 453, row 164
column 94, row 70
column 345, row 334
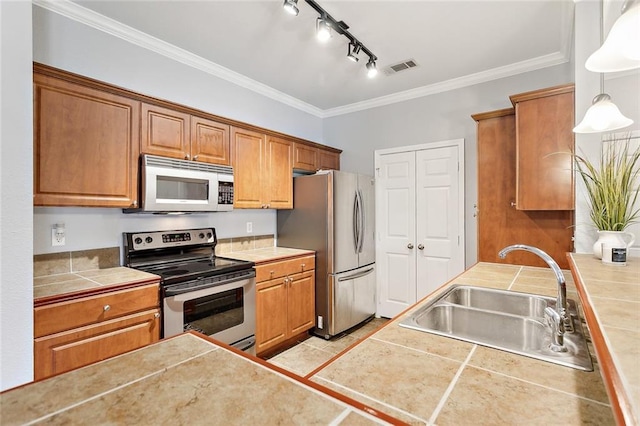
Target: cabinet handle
column 409, row 246
column 513, row 204
column 420, row 247
column 135, row 203
column 195, row 158
column 106, row 308
column 156, row 315
column 187, row 156
column 302, row 266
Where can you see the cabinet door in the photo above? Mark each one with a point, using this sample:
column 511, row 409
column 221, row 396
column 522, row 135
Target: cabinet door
column 279, row 174
column 86, row 145
column 300, row 302
column 271, row 314
column 75, row 348
column 499, row 223
column 165, row 132
column 544, row 137
column 248, row 161
column 305, row 157
column 328, row 160
column 210, row 141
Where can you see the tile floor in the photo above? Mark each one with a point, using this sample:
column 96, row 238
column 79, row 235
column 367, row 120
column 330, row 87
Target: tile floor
column 309, row 354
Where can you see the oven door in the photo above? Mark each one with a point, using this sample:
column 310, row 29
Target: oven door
column 225, row 312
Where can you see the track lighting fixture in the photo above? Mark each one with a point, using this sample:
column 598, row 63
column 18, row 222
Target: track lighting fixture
column 372, row 71
column 352, row 52
column 324, row 26
column 323, row 30
column 291, row 6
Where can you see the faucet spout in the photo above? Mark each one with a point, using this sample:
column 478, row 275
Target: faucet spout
column 561, row 303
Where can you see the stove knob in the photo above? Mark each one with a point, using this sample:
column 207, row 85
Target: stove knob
column 201, row 235
column 209, row 235
column 148, row 240
column 138, row 240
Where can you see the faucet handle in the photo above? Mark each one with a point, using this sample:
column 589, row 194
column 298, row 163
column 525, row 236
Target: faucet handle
column 557, row 329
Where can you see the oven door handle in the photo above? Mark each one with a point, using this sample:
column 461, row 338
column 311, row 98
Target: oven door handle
column 181, row 289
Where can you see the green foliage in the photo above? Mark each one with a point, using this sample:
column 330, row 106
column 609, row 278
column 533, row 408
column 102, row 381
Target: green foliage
column 612, row 187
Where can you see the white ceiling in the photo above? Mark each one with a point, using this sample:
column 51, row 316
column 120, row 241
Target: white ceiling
column 258, row 45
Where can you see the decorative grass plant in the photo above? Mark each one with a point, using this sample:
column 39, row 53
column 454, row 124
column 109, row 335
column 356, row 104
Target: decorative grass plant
column 612, row 188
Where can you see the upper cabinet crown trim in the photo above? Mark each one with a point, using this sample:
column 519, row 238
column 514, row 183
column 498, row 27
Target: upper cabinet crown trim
column 541, row 93
column 493, row 114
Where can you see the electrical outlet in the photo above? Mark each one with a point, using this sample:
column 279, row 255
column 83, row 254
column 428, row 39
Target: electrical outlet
column 57, row 236
column 249, row 227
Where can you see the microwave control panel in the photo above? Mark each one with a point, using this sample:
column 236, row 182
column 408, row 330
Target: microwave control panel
column 225, row 193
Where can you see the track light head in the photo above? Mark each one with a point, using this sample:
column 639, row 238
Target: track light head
column 352, row 51
column 323, row 29
column 291, row 7
column 372, row 71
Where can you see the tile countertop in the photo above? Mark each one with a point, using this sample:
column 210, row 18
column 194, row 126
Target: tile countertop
column 422, row 378
column 185, row 379
column 268, row 254
column 52, row 288
column 611, row 296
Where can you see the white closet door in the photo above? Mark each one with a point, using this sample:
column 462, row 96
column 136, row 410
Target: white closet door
column 439, row 249
column 395, row 224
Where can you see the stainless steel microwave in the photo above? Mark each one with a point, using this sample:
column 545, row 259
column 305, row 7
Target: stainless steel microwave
column 171, row 185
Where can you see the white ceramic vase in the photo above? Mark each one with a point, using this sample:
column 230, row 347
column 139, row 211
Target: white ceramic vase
column 613, row 238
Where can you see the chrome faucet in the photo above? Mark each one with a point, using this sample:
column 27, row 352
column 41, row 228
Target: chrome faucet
column 560, row 320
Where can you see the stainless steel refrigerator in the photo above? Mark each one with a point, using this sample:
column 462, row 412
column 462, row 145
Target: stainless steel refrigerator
column 333, row 214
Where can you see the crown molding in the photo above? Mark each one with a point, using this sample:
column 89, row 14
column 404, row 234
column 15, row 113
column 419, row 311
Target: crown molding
column 110, row 26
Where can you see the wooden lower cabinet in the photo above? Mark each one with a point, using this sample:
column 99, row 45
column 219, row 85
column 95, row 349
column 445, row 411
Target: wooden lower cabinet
column 74, row 333
column 76, row 348
column 285, row 305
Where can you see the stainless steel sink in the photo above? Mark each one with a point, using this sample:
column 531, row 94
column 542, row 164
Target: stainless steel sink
column 505, row 320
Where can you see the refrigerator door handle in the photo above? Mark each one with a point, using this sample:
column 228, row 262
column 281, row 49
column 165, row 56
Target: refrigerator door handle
column 357, row 275
column 356, row 223
column 362, row 219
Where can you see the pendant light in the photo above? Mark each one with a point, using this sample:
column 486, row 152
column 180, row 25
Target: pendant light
column 621, row 50
column 603, row 115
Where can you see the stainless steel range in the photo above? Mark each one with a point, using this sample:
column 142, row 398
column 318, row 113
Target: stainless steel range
column 199, row 290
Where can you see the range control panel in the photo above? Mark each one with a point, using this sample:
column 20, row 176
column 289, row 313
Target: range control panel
column 166, row 239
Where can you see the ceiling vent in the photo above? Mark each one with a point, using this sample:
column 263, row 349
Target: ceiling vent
column 400, row 66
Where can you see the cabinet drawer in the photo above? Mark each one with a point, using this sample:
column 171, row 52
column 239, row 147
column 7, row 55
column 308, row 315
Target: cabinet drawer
column 66, row 315
column 76, row 348
column 273, row 270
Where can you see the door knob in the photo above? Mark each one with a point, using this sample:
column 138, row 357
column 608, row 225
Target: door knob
column 409, row 246
column 420, row 247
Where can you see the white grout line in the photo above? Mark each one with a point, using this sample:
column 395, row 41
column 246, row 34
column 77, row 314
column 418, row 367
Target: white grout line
column 447, row 392
column 100, row 395
column 543, row 386
column 420, row 350
column 340, row 417
column 515, row 278
column 367, row 397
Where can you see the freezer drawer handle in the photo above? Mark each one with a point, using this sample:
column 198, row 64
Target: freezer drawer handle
column 358, row 275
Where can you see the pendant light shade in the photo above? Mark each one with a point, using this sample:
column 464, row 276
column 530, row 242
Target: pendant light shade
column 602, row 116
column 621, row 50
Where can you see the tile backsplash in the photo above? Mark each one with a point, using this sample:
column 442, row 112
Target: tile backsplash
column 75, row 261
column 228, row 245
column 85, row 260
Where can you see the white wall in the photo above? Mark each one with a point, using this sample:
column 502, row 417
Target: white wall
column 16, row 195
column 75, row 47
column 442, row 116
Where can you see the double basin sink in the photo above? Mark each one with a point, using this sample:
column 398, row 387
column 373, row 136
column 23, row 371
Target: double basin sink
column 506, row 320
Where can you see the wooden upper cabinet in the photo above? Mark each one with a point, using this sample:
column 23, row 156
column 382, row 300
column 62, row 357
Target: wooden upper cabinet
column 86, row 145
column 305, row 157
column 544, row 149
column 262, row 169
column 311, row 159
column 278, row 174
column 328, row 160
column 248, row 161
column 165, row 132
column 171, row 133
column 210, row 141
